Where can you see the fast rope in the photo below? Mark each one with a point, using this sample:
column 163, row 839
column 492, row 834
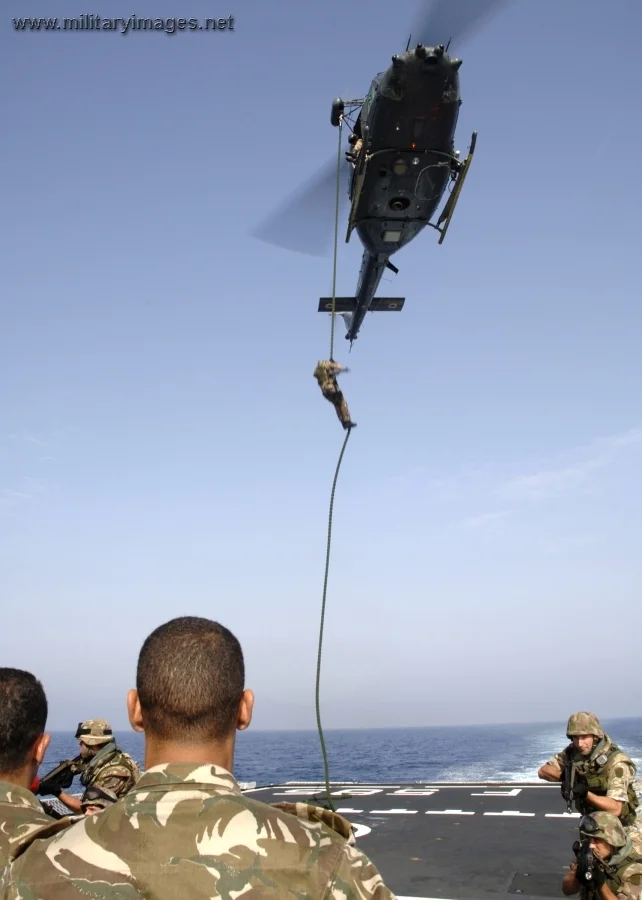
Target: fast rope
column 336, row 240
column 334, row 485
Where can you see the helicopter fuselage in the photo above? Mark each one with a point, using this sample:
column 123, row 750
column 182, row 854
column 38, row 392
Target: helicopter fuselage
column 407, row 124
column 407, row 128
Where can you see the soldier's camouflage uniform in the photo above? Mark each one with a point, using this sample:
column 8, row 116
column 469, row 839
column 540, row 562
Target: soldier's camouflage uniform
column 607, row 771
column 187, row 831
column 22, row 820
column 624, row 867
column 111, row 768
column 326, row 375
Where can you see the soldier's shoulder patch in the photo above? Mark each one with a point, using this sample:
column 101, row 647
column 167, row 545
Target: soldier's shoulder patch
column 619, row 771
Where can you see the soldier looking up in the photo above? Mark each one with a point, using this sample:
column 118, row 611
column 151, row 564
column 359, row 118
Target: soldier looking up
column 104, row 764
column 186, row 830
column 616, row 867
column 23, row 744
column 603, row 775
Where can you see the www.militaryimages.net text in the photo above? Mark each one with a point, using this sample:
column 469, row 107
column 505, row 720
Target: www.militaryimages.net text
column 92, row 22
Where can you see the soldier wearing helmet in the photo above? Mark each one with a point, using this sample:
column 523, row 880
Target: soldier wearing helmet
column 96, row 799
column 104, row 765
column 595, row 773
column 614, row 870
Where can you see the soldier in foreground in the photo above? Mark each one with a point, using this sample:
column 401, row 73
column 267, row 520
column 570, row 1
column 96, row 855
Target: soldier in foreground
column 103, row 764
column 599, row 774
column 326, row 375
column 186, row 830
column 23, row 744
column 613, row 861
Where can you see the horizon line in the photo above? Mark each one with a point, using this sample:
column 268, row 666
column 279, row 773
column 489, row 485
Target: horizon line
column 264, row 730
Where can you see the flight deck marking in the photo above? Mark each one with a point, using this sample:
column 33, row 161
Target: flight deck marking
column 289, row 793
column 380, row 812
column 512, row 793
column 354, row 793
column 508, row 812
column 412, row 792
column 357, row 792
column 360, row 830
column 346, row 809
column 347, row 784
column 565, row 815
column 448, row 812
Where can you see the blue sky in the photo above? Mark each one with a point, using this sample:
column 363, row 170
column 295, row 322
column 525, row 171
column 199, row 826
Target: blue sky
column 164, row 448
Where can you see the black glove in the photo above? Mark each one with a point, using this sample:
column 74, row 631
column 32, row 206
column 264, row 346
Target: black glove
column 580, row 789
column 54, row 789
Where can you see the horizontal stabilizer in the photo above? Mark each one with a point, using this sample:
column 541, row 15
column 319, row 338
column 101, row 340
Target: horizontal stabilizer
column 347, row 304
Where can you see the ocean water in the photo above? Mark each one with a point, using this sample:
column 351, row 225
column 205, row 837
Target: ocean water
column 467, row 754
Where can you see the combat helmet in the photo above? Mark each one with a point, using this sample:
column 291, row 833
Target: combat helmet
column 606, row 826
column 584, row 723
column 94, row 732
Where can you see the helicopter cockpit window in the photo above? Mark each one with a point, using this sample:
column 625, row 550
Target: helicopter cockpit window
column 376, row 81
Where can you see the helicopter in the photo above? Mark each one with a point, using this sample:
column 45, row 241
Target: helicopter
column 400, row 161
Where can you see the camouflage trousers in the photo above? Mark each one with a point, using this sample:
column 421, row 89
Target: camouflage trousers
column 336, row 398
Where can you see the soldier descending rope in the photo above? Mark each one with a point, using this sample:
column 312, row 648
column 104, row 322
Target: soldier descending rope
column 326, row 374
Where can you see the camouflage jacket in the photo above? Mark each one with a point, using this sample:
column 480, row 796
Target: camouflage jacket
column 186, row 830
column 22, row 820
column 112, row 769
column 326, row 373
column 614, row 778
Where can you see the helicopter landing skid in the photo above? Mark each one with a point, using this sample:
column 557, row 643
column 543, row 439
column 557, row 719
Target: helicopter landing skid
column 449, row 208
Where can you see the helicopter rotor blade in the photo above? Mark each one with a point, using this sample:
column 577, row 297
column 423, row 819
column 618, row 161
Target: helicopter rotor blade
column 305, row 221
column 452, row 20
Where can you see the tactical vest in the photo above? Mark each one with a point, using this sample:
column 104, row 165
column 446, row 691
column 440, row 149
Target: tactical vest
column 110, row 755
column 596, row 770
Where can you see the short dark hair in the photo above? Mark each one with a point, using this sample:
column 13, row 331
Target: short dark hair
column 23, row 717
column 190, row 679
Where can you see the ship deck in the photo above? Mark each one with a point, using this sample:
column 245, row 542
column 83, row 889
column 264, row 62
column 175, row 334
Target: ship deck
column 454, row 841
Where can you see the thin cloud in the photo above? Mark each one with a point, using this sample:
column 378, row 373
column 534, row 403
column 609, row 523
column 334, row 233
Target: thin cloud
column 11, row 499
column 25, row 491
column 27, row 438
column 548, row 484
column 509, row 487
column 551, row 483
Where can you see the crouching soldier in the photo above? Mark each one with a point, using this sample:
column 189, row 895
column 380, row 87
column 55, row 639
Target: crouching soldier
column 608, row 864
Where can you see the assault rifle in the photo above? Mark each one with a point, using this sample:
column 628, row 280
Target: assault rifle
column 568, row 779
column 586, row 861
column 62, row 776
